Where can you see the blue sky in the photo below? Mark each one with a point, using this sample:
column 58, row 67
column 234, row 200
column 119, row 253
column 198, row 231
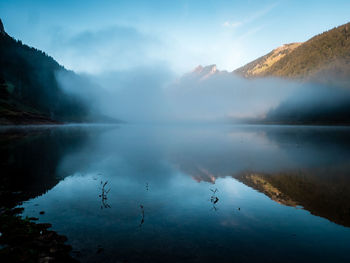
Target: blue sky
column 95, row 36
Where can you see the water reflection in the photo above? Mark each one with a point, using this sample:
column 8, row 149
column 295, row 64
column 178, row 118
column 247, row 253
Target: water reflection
column 321, row 191
column 30, row 159
column 263, row 174
column 142, row 216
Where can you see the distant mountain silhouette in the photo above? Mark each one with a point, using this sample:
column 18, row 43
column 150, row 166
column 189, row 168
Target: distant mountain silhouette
column 203, row 73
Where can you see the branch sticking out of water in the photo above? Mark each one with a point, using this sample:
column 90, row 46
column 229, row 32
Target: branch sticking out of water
column 103, row 195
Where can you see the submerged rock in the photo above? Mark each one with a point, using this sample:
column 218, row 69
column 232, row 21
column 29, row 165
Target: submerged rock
column 25, row 241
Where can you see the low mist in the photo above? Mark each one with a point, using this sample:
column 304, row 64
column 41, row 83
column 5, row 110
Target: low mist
column 156, row 94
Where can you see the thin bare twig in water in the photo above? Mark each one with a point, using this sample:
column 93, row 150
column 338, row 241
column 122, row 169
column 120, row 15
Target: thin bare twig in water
column 214, row 199
column 103, row 195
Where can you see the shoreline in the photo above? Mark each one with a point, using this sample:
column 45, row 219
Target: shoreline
column 23, row 240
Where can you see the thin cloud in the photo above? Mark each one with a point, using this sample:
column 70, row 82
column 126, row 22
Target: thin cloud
column 110, row 48
column 252, row 18
column 232, row 24
column 250, row 32
column 260, row 13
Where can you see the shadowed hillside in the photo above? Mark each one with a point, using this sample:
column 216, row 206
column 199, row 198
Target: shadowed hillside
column 29, row 91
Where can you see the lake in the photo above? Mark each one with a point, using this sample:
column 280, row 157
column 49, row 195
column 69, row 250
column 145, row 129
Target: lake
column 186, row 193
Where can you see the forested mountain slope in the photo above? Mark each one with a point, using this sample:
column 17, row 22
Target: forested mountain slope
column 324, row 57
column 29, row 91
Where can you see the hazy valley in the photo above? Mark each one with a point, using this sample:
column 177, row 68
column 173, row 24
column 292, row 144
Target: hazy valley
column 299, row 83
column 136, row 131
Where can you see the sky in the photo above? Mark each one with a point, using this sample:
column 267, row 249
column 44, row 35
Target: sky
column 96, row 36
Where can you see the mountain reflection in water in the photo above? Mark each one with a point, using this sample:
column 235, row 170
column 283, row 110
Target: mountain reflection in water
column 168, row 173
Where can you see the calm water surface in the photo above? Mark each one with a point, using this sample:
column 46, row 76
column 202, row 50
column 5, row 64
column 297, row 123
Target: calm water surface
column 165, row 193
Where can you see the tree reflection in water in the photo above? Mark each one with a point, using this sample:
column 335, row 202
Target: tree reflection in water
column 142, row 216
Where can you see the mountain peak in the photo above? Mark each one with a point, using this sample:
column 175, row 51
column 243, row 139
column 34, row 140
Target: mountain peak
column 2, row 29
column 206, row 69
column 210, row 68
column 201, row 73
column 197, row 69
column 205, row 72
